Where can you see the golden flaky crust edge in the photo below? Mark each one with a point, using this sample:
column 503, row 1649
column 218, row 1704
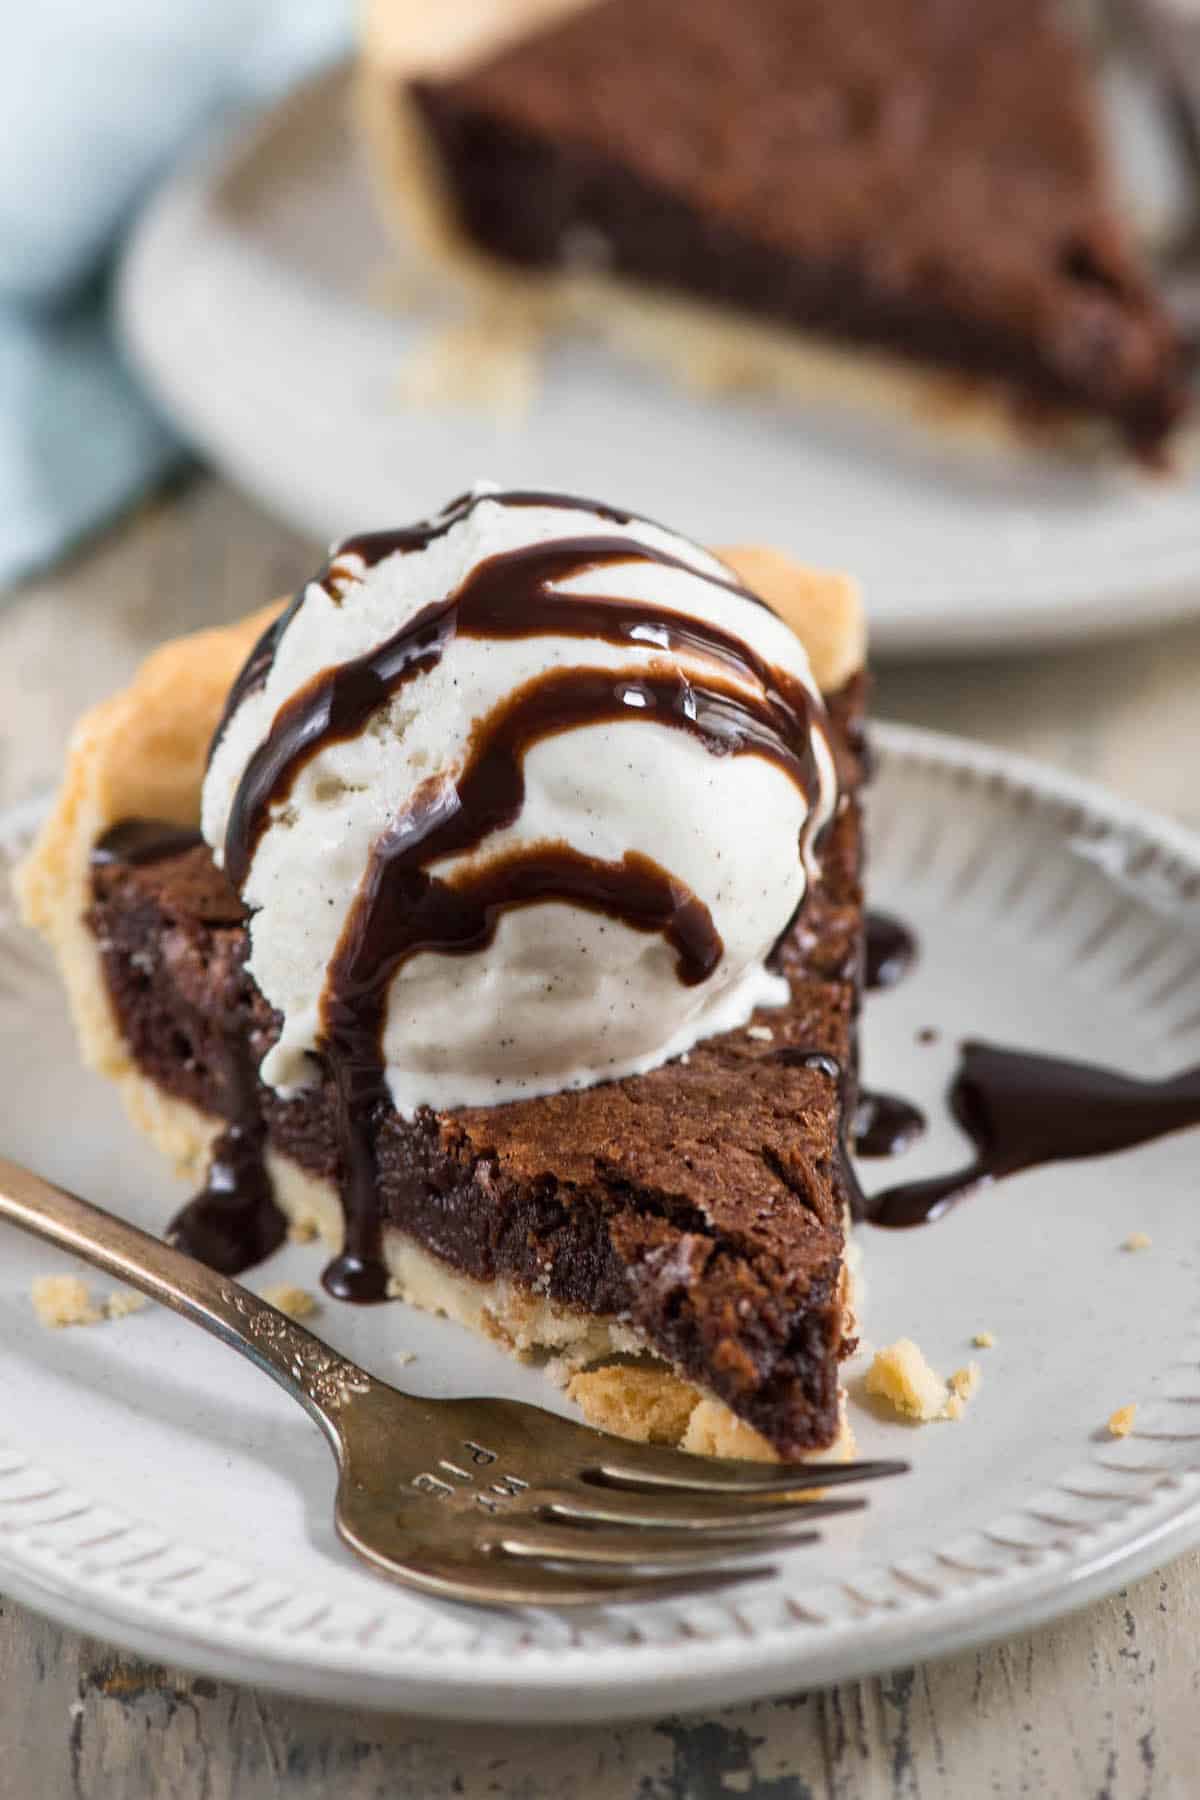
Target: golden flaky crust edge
column 700, row 345
column 141, row 754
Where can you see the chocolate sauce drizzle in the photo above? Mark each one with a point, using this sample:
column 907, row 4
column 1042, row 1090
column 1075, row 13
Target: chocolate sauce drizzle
column 508, row 596
column 371, row 547
column 256, row 668
column 1023, row 1111
column 401, row 910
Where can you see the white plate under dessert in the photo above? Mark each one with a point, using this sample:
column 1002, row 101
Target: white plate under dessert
column 157, row 1491
column 261, row 298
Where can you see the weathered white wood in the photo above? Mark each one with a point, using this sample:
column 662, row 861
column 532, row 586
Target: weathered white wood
column 1104, row 1705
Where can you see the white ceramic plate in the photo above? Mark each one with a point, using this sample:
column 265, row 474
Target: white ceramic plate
column 156, row 1490
column 247, row 300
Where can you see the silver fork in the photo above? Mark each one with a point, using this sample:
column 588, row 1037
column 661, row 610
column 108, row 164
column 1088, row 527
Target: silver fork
column 488, row 1501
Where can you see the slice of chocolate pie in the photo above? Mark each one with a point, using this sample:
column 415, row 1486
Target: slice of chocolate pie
column 520, row 954
column 905, row 203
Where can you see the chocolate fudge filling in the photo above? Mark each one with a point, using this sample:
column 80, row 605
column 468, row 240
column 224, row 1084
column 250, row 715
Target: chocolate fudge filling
column 922, row 178
column 702, row 1201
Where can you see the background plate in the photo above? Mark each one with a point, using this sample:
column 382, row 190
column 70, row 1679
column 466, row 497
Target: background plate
column 250, row 299
column 156, row 1490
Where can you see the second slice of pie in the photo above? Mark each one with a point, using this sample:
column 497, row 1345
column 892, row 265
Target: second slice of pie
column 903, row 203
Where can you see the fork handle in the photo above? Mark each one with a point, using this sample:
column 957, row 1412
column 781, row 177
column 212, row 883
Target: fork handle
column 310, row 1371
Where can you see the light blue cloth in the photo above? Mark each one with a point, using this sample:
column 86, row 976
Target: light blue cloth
column 95, row 101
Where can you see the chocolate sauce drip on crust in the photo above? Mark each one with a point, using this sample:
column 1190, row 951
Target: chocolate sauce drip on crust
column 891, row 951
column 507, row 596
column 141, row 841
column 884, row 1125
column 233, row 1222
column 795, row 1056
column 1023, row 1111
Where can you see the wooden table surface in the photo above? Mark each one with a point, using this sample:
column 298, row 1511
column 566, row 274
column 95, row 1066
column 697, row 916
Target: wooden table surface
column 1104, row 1705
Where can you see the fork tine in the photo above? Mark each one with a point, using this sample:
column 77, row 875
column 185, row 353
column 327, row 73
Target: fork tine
column 681, row 1511
column 638, row 1549
column 697, row 1475
column 536, row 1584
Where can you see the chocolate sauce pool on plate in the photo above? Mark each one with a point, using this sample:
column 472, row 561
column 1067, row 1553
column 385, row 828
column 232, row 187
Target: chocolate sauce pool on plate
column 891, row 951
column 884, row 1124
column 1023, row 1111
column 1020, row 1110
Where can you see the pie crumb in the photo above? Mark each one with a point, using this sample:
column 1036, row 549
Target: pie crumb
column 296, row 1302
column 901, row 1376
column 1137, row 1240
column 61, row 1300
column 124, row 1302
column 302, row 1231
column 402, row 1358
column 983, row 1340
column 964, row 1385
column 1120, row 1423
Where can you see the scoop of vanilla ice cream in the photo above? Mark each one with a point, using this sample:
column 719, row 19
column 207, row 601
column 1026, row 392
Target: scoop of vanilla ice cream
column 561, row 997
